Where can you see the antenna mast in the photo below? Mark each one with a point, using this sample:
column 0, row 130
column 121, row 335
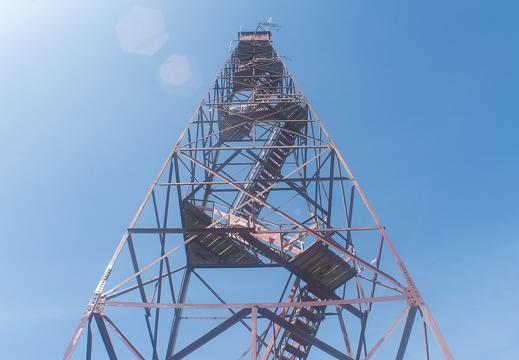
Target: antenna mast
column 268, row 25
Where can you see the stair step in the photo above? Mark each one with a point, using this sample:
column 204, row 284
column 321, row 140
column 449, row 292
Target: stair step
column 303, row 326
column 294, row 351
column 298, row 339
column 311, row 314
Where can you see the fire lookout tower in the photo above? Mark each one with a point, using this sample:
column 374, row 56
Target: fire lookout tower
column 255, row 241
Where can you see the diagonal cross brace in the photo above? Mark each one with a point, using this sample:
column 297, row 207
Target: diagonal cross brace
column 311, row 339
column 204, row 339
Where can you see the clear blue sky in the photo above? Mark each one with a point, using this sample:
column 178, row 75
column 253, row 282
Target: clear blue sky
column 420, row 97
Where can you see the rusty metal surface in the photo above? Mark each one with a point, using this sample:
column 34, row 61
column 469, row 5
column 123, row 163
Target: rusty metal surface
column 289, row 258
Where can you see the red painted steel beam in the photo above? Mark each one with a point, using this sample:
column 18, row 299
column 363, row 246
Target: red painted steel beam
column 210, row 335
column 223, row 230
column 406, row 333
column 339, row 302
column 123, row 338
column 104, row 335
column 387, row 333
column 305, row 336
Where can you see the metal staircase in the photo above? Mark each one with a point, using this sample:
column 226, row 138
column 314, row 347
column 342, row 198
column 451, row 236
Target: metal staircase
column 255, row 232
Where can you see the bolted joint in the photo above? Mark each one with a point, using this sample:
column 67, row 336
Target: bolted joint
column 99, row 305
column 413, row 297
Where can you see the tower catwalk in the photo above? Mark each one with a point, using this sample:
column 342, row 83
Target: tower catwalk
column 255, row 241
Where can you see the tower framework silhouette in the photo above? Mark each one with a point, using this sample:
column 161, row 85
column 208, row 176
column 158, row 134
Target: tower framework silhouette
column 255, row 241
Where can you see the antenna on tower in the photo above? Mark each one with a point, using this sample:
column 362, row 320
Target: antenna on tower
column 268, row 25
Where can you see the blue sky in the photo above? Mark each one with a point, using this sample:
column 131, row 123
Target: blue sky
column 420, row 97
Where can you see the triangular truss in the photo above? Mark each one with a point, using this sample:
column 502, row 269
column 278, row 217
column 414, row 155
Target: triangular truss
column 256, row 242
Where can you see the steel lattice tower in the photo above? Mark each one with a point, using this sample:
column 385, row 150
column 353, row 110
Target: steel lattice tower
column 255, row 241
